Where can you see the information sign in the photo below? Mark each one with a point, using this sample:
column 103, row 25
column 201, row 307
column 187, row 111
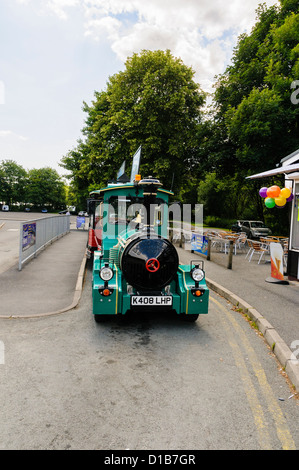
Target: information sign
column 28, row 236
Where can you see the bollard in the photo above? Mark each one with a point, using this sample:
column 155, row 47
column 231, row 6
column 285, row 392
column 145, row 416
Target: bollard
column 230, row 255
column 182, row 239
column 209, row 249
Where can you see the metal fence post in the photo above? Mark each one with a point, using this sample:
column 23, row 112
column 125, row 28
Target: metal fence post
column 20, row 246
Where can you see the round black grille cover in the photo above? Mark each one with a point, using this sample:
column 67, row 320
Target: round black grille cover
column 149, row 263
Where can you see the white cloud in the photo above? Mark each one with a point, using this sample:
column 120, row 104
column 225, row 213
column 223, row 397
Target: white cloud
column 5, row 134
column 201, row 32
column 107, row 26
column 58, row 7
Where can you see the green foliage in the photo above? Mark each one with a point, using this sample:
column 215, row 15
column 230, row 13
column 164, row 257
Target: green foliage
column 253, row 96
column 254, row 127
column 226, row 198
column 45, row 189
column 155, row 103
column 37, row 188
column 218, row 222
column 254, row 123
column 13, row 182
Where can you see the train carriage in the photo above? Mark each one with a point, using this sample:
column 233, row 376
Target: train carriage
column 135, row 266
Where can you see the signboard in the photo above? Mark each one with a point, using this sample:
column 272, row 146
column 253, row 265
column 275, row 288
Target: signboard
column 276, row 253
column 136, row 164
column 80, row 223
column 28, row 235
column 199, row 243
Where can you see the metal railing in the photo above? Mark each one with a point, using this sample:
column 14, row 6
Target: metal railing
column 36, row 234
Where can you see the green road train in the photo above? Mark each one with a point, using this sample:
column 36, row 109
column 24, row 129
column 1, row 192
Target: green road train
column 135, row 266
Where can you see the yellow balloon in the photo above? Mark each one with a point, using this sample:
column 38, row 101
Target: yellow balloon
column 280, row 201
column 285, row 192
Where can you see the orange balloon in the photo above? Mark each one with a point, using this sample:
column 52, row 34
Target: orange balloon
column 274, row 192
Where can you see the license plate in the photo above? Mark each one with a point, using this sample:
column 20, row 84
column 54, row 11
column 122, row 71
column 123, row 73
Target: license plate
column 151, row 300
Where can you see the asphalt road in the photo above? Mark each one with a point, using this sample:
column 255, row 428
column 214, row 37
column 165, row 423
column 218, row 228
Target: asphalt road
column 147, row 382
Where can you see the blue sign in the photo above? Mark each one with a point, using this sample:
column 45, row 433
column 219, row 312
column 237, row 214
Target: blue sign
column 28, row 236
column 80, row 222
column 199, row 243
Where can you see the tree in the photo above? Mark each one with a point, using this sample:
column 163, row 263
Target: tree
column 155, row 103
column 254, row 123
column 253, row 96
column 46, row 189
column 13, row 181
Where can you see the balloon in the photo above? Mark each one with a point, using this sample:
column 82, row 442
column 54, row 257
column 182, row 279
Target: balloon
column 285, row 192
column 270, row 202
column 280, row 201
column 273, row 192
column 263, row 192
column 289, row 199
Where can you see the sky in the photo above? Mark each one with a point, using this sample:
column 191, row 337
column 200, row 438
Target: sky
column 55, row 53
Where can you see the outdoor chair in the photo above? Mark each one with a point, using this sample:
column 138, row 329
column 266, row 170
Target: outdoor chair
column 250, row 248
column 217, row 243
column 241, row 241
column 256, row 247
column 266, row 243
column 231, row 237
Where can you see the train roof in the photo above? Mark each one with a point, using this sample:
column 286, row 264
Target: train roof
column 116, row 186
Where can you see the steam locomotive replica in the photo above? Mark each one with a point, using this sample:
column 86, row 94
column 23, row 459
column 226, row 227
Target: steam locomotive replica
column 135, row 266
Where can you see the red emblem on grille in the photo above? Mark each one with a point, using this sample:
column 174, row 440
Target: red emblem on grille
column 152, row 265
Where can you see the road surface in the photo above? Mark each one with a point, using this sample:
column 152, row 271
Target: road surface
column 148, row 382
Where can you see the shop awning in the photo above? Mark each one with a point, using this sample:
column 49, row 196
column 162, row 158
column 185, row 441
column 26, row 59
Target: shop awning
column 282, row 170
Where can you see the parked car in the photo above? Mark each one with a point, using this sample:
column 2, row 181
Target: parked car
column 253, row 228
column 236, row 227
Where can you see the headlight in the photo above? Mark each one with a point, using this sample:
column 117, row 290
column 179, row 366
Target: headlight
column 197, row 274
column 106, row 273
